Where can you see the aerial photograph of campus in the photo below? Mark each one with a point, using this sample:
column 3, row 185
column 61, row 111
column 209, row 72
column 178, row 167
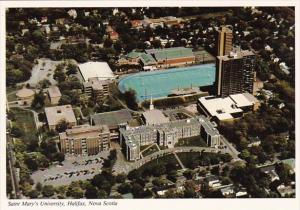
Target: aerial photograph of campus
column 150, row 102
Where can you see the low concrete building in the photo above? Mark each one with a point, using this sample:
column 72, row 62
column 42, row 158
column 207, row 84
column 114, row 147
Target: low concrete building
column 228, row 108
column 57, row 114
column 254, row 141
column 285, row 190
column 25, row 96
column 113, row 120
column 270, row 171
column 228, row 191
column 54, row 94
column 154, row 116
column 85, row 140
column 213, row 181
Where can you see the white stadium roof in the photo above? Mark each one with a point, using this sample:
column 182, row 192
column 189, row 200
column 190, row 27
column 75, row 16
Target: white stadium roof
column 100, row 70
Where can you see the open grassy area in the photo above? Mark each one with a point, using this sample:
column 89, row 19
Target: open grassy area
column 191, row 141
column 165, row 160
column 11, row 93
column 150, row 151
column 24, row 120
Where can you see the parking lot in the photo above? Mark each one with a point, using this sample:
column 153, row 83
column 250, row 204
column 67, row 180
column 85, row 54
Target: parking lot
column 44, row 69
column 71, row 169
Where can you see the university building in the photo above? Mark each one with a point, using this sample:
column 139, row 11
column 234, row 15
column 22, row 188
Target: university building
column 166, row 134
column 85, row 140
column 162, row 58
column 98, row 89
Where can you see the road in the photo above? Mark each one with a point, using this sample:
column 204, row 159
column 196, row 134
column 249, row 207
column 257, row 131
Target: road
column 125, row 166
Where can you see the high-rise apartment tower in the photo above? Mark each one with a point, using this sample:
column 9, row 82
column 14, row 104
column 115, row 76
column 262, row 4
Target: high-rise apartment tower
column 235, row 73
column 224, row 41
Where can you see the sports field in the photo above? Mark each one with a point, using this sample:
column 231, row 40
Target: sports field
column 161, row 83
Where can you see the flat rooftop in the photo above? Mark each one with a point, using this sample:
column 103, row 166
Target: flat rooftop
column 155, row 116
column 100, row 70
column 171, row 53
column 243, row 99
column 84, row 131
column 112, row 119
column 54, row 92
column 222, row 108
column 236, row 55
column 58, row 113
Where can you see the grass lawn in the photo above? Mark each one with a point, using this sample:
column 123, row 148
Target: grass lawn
column 25, row 121
column 11, row 93
column 150, row 151
column 167, row 159
column 77, row 113
column 191, row 141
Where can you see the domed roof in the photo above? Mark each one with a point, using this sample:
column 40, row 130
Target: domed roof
column 25, row 92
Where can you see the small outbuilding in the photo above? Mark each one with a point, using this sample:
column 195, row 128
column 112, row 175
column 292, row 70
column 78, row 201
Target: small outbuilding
column 25, row 96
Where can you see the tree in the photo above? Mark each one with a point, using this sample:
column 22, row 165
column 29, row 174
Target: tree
column 120, row 178
column 75, row 192
column 134, row 174
column 245, row 154
column 62, row 126
column 64, row 100
column 34, row 194
column 107, row 43
column 130, row 99
column 71, row 69
column 91, row 192
column 102, row 194
column 39, row 187
column 59, row 74
column 48, row 191
column 188, row 174
column 189, row 191
column 137, row 190
column 172, row 175
column 158, row 170
column 45, row 83
column 38, row 100
column 59, row 156
column 124, row 188
column 31, row 162
column 16, row 132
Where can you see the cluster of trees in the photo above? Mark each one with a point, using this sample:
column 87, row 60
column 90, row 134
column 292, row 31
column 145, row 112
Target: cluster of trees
column 193, row 160
column 38, row 100
column 129, row 96
column 256, row 181
column 267, row 124
column 69, row 85
column 18, row 70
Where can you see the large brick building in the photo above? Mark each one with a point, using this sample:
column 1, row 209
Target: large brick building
column 85, row 140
